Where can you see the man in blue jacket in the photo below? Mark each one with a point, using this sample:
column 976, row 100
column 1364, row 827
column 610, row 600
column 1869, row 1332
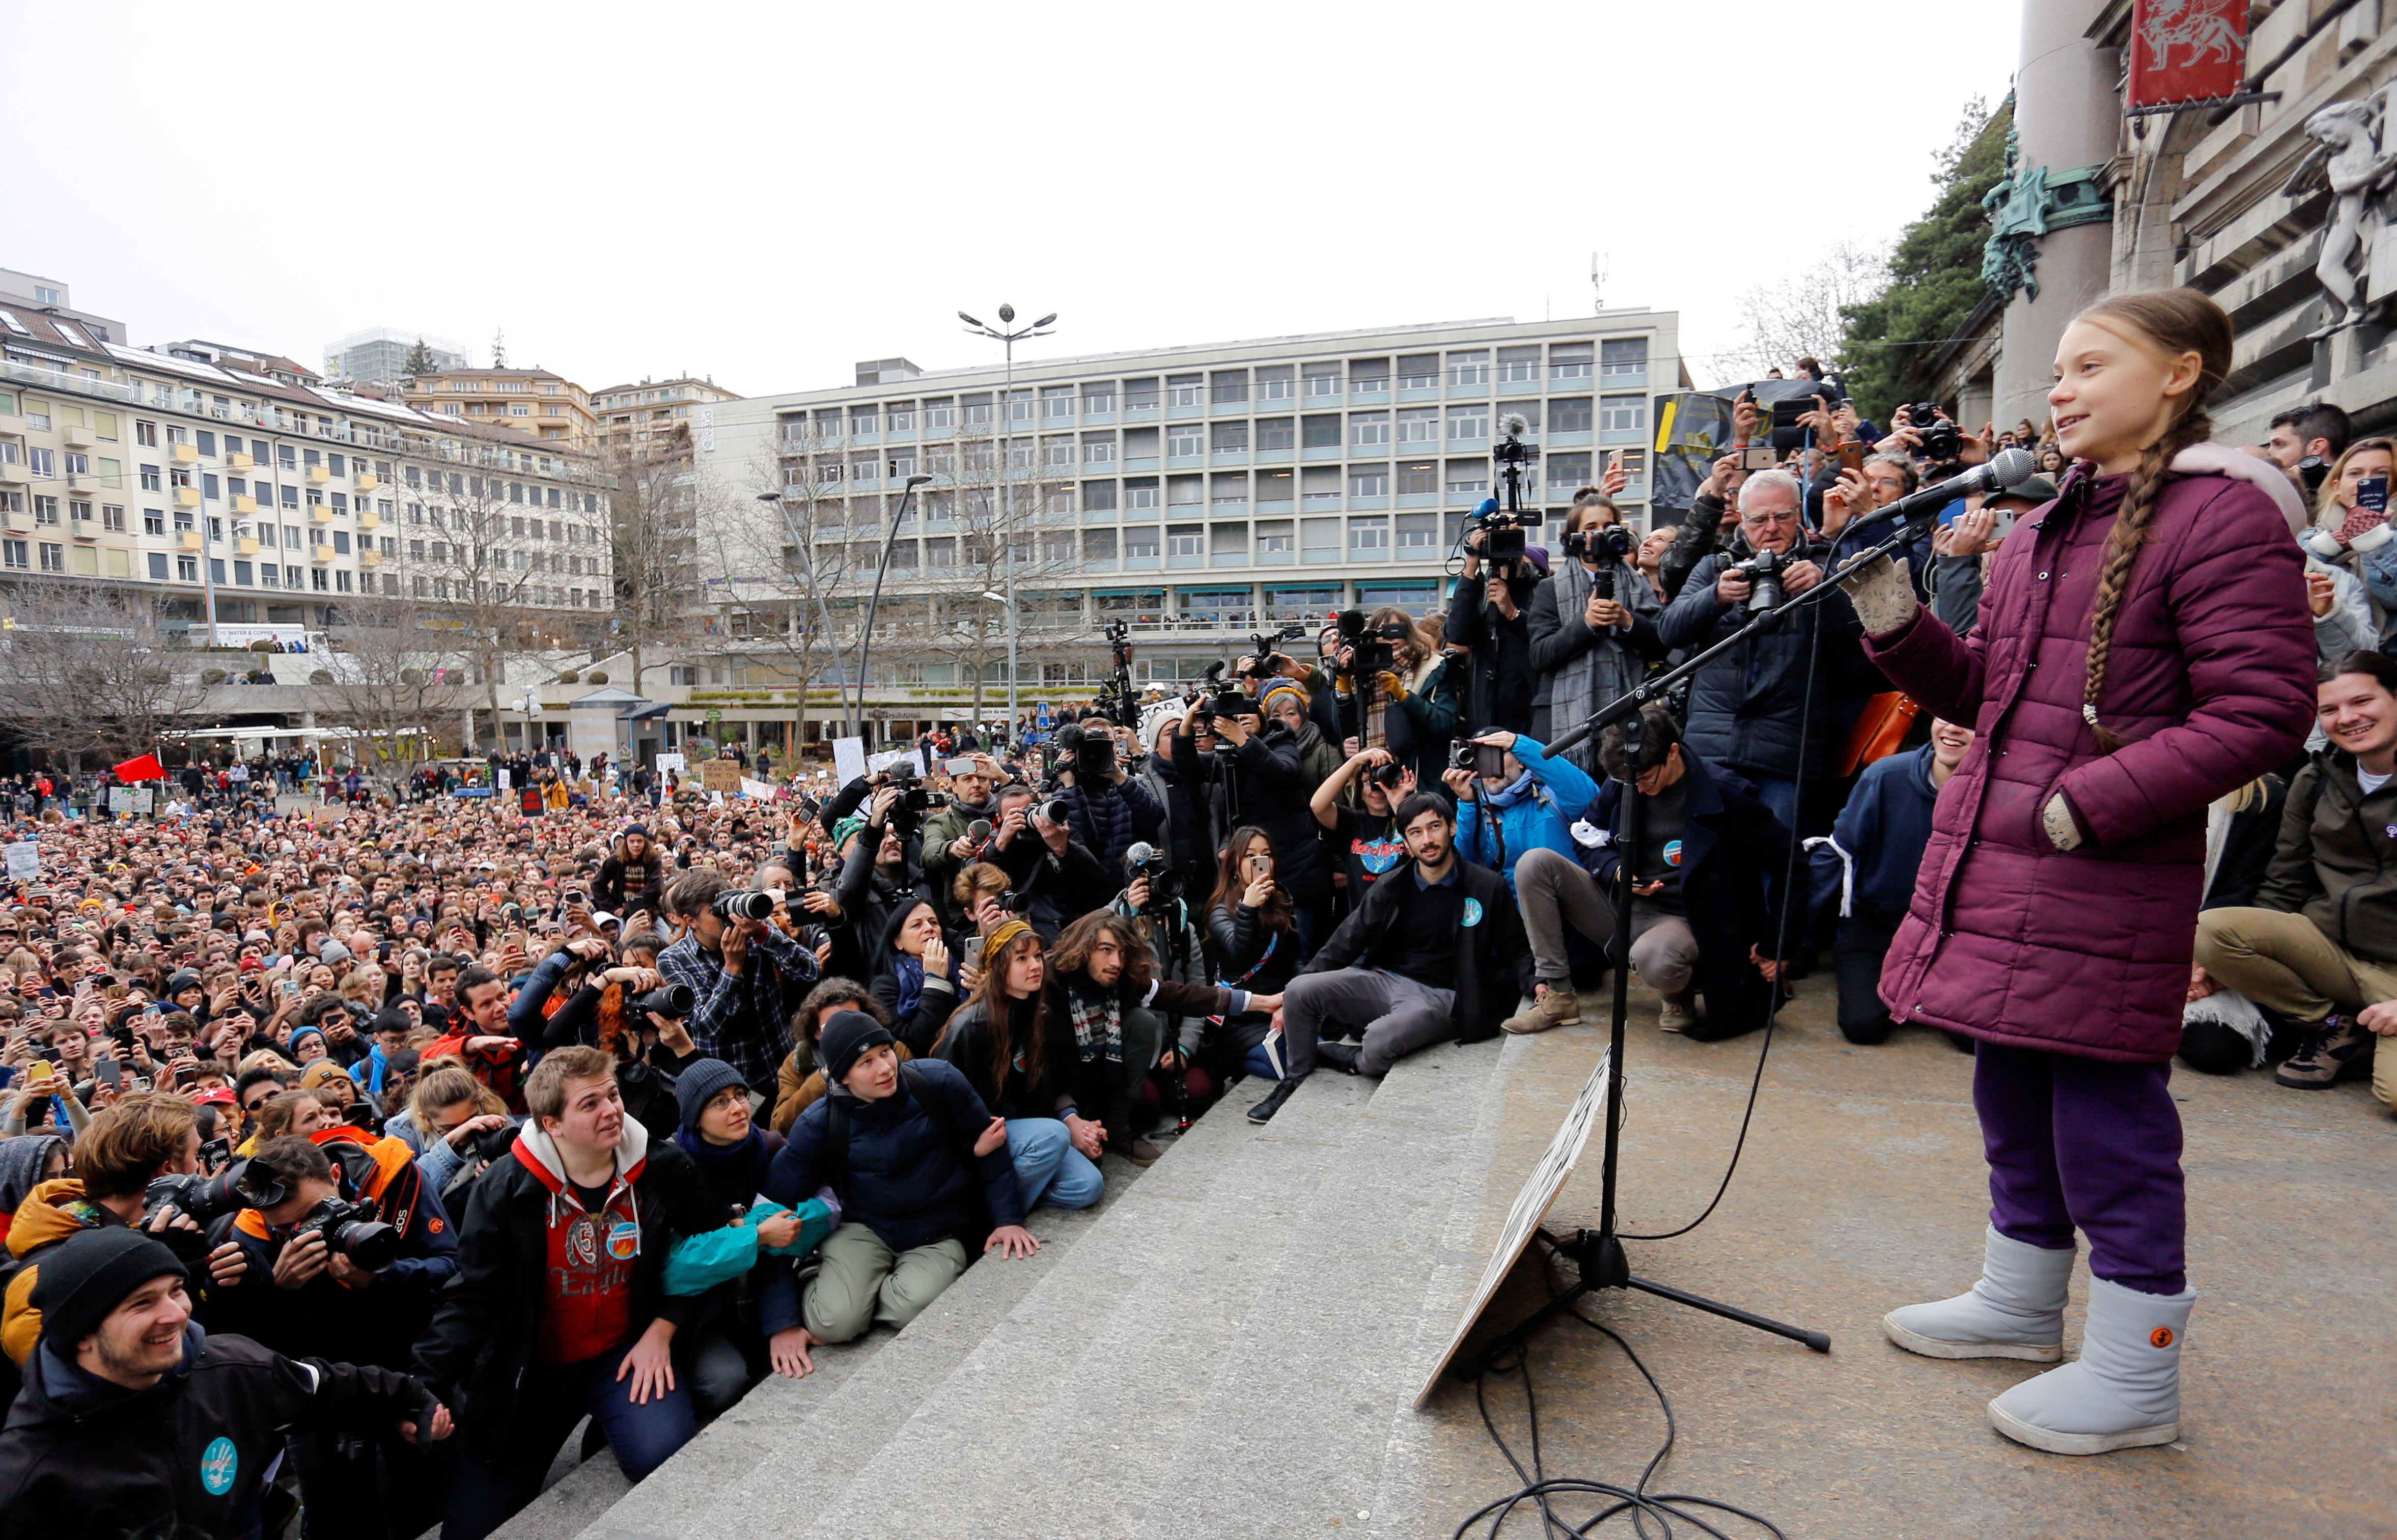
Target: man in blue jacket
column 1701, row 924
column 1867, row 865
column 921, row 1169
column 1529, row 804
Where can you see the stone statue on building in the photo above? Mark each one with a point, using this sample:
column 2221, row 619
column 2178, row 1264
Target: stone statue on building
column 2347, row 161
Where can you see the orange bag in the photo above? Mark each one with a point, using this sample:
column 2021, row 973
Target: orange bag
column 1880, row 729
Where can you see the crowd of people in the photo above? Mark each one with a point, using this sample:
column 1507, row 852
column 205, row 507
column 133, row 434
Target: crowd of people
column 329, row 1131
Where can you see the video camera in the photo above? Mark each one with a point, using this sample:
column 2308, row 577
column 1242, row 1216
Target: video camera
column 1480, row 758
column 1372, row 645
column 915, row 801
column 1117, row 703
column 1262, row 650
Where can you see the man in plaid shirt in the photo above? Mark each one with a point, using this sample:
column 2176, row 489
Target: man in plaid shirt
column 745, row 978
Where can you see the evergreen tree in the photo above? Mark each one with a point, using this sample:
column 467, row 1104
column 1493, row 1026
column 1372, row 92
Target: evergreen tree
column 420, row 361
column 1935, row 273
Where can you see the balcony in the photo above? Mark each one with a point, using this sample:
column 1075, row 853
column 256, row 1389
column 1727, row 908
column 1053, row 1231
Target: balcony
column 77, row 436
column 322, row 512
column 13, row 473
column 371, row 558
column 188, row 539
column 367, row 481
column 83, row 486
column 245, row 505
column 187, row 497
column 245, row 545
column 236, row 461
column 368, row 519
column 183, row 454
column 319, row 474
column 321, row 554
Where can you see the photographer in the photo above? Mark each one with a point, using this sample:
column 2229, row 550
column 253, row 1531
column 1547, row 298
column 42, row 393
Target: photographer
column 1486, row 616
column 1154, row 904
column 558, row 1307
column 744, row 976
column 1107, row 811
column 1752, row 710
column 1706, row 845
column 1418, row 696
column 1056, row 875
column 948, row 841
column 1368, row 836
column 877, row 878
column 1255, row 765
column 324, row 1279
column 1188, row 837
column 1515, row 801
column 135, row 1422
column 1433, row 956
column 640, row 1021
column 1592, row 626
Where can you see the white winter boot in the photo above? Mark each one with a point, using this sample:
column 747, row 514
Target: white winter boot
column 2016, row 1311
column 2124, row 1389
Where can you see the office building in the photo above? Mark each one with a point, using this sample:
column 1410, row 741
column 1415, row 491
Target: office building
column 534, row 401
column 379, row 354
column 1198, row 494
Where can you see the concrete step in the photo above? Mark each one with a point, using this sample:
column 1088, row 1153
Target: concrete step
column 1076, row 1401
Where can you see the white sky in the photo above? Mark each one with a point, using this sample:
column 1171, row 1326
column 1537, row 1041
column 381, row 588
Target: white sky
column 769, row 193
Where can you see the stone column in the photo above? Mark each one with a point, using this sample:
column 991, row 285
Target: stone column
column 2067, row 114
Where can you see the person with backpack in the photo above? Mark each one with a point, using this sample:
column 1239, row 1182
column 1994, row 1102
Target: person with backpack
column 920, row 1167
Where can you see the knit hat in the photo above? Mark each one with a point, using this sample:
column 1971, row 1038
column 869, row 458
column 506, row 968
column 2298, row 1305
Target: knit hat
column 996, row 943
column 1156, row 716
column 323, row 1072
column 844, row 827
column 87, row 1277
column 301, row 1032
column 698, row 1084
column 845, row 1037
column 1280, row 687
column 183, row 980
column 332, row 951
column 641, row 829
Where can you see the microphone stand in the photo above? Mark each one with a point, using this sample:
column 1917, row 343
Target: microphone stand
column 1598, row 1254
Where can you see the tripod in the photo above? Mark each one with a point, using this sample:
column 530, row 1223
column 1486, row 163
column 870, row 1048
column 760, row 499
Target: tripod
column 1598, row 1254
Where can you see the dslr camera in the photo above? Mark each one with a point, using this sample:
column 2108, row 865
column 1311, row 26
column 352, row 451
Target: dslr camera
column 352, row 1230
column 1942, row 441
column 1763, row 571
column 205, row 1199
column 1145, row 860
column 1605, row 545
column 1263, row 648
column 743, row 903
column 670, row 1000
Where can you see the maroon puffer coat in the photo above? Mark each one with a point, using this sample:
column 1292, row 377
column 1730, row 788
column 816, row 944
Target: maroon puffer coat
column 2210, row 684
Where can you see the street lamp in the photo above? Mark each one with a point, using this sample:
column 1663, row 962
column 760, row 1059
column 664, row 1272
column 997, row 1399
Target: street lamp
column 832, row 638
column 890, row 538
column 1007, row 470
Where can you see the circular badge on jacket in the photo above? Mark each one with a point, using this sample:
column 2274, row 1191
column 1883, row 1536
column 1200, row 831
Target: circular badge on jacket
column 218, row 1464
column 624, row 1242
column 1472, row 912
column 1672, row 852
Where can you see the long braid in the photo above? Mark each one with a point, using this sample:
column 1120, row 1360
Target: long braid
column 2123, row 546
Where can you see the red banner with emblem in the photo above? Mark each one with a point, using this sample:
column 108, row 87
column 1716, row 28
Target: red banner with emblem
column 2185, row 51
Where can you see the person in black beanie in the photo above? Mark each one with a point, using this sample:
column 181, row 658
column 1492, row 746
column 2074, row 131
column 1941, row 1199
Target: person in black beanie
column 133, row 1420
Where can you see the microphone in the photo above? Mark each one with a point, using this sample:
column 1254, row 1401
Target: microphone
column 2010, row 468
column 1514, row 425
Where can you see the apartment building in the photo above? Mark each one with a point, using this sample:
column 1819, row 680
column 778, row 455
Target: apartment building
column 655, row 415
column 213, row 483
column 533, row 401
column 379, row 354
column 1197, row 493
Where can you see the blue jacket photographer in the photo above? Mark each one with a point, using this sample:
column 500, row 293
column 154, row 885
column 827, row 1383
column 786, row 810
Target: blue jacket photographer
column 1512, row 798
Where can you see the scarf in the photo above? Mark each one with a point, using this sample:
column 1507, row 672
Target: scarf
column 1515, row 791
column 1591, row 678
column 733, row 1171
column 1098, row 1023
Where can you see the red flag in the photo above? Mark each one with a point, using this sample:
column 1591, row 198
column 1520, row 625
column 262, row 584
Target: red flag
column 141, row 768
column 2187, row 50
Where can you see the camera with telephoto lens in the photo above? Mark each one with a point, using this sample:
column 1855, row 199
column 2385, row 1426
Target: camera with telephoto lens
column 205, row 1199
column 1145, row 861
column 743, row 903
column 1941, row 439
column 352, row 1230
column 1014, row 903
column 1052, row 811
column 1762, row 572
column 489, row 1145
column 670, row 1000
column 1606, row 546
column 1388, row 775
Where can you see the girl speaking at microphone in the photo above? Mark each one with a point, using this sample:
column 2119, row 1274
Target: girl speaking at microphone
column 2144, row 645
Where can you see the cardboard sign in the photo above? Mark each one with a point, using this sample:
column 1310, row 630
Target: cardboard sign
column 722, row 776
column 24, row 860
column 669, row 762
column 848, row 759
column 762, row 790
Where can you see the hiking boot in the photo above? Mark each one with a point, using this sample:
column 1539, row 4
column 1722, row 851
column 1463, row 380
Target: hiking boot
column 2016, row 1311
column 1340, row 1056
column 1675, row 1014
column 1263, row 1112
column 2328, row 1056
column 1552, row 1007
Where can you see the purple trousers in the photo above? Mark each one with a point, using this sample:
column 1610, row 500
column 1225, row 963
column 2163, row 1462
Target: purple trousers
column 2084, row 1144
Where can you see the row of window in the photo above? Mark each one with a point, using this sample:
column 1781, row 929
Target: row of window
column 1365, row 538
column 1614, row 357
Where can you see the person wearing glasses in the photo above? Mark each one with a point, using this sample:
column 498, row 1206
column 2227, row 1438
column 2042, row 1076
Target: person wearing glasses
column 1751, row 709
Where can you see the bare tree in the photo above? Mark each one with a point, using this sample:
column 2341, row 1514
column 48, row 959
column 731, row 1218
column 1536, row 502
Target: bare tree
column 93, row 671
column 487, row 579
column 394, row 677
column 653, row 536
column 1798, row 316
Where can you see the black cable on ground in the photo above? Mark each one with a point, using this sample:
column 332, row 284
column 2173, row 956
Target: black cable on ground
column 1543, row 1491
column 1791, row 899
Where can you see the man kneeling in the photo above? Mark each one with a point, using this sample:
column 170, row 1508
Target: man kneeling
column 922, row 1172
column 1435, row 955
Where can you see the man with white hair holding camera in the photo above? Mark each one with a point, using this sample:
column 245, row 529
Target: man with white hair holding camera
column 1755, row 709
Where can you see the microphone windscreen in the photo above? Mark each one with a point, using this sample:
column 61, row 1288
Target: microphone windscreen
column 2013, row 467
column 1514, row 422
